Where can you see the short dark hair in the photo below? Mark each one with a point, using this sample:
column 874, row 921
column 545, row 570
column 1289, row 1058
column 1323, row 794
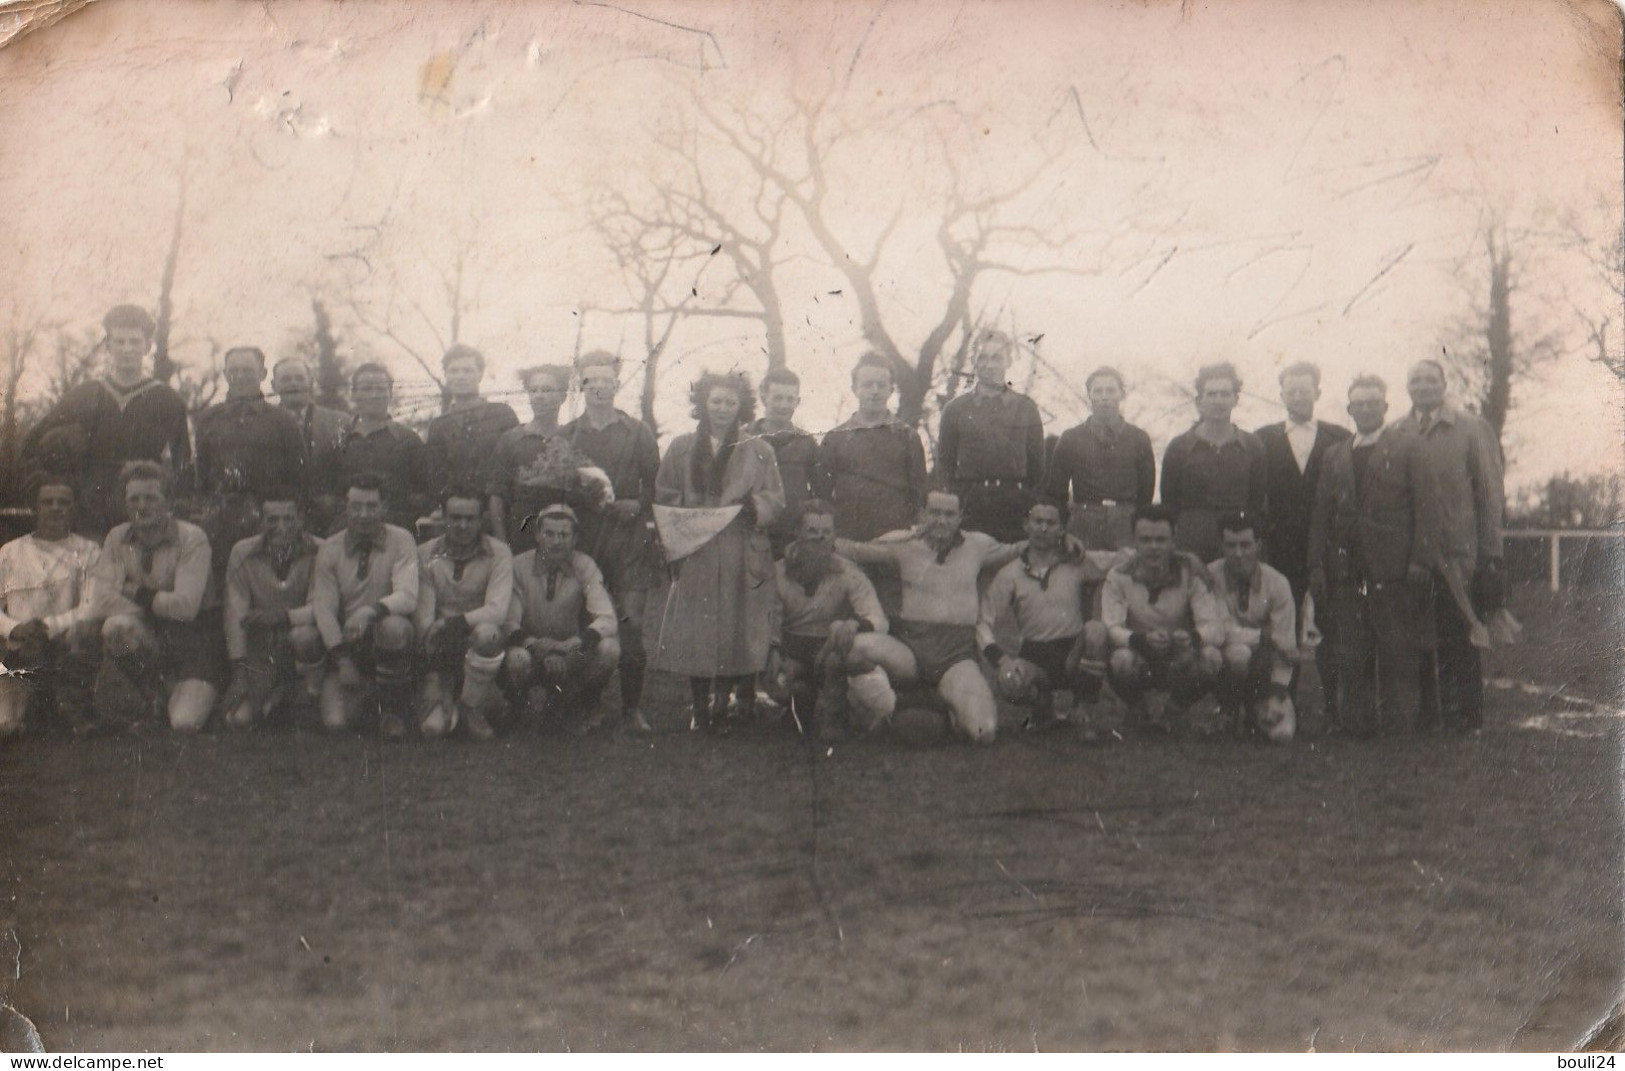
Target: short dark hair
column 1109, row 372
column 460, row 352
column 1157, row 513
column 144, row 470
column 1238, row 522
column 282, row 493
column 734, row 381
column 559, row 373
column 814, row 507
column 129, row 316
column 1055, row 502
column 366, row 481
column 371, row 368
column 460, row 489
column 259, row 354
column 1301, row 368
column 782, row 376
column 1218, row 370
column 871, row 359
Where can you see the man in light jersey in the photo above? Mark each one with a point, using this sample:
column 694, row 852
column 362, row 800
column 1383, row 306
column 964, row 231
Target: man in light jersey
column 934, row 641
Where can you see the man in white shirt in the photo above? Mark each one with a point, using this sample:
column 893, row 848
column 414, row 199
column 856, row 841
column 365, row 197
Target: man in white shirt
column 1260, row 626
column 47, row 612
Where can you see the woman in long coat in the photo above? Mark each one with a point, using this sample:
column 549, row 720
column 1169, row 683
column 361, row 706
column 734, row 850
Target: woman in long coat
column 715, row 628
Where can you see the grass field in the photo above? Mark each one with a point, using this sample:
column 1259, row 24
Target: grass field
column 295, row 891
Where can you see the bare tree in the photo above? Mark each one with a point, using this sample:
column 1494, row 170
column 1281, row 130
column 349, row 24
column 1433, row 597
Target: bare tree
column 1488, row 353
column 163, row 365
column 20, row 340
column 1608, row 258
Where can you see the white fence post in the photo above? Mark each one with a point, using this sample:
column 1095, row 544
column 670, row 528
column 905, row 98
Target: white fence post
column 1557, row 561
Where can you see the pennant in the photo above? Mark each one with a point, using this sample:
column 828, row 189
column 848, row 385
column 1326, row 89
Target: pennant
column 683, row 531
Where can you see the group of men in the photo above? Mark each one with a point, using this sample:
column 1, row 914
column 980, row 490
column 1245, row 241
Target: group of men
column 302, row 582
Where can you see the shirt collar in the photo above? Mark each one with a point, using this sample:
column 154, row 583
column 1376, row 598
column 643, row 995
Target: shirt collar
column 1366, row 440
column 1306, row 425
column 540, row 564
column 353, row 546
column 169, row 533
column 1102, row 430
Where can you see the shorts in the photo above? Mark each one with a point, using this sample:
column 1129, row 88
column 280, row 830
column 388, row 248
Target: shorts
column 625, row 553
column 1049, row 656
column 937, row 648
column 192, row 650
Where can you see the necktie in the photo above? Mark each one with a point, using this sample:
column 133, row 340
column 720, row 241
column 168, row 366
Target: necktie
column 363, row 563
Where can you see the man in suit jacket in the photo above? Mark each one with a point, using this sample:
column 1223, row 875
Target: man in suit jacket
column 1368, row 565
column 1459, row 512
column 1294, row 451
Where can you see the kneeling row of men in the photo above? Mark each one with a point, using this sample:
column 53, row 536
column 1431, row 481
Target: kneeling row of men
column 343, row 623
column 346, row 622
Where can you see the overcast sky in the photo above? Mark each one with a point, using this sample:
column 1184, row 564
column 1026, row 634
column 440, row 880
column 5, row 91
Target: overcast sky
column 1260, row 182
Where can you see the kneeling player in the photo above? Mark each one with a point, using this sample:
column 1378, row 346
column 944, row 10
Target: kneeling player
column 465, row 589
column 276, row 652
column 1260, row 631
column 47, row 613
column 161, row 634
column 363, row 594
column 1165, row 626
column 561, row 625
column 824, row 602
column 1050, row 587
column 934, row 640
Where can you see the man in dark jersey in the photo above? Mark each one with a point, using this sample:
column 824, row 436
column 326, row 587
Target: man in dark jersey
column 125, row 416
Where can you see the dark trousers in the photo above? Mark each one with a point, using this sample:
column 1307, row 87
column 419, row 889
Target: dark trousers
column 1452, row 679
column 1381, row 634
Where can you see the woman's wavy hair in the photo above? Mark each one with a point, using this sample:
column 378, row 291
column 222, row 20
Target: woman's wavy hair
column 709, row 461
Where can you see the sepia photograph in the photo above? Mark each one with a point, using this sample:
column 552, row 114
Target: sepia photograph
column 812, row 526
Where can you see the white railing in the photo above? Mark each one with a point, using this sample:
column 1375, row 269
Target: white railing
column 1554, row 537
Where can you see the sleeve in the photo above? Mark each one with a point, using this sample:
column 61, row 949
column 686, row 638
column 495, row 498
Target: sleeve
column 422, row 479
column 428, row 595
column 7, row 586
column 1283, row 616
column 669, row 478
column 998, row 555
column 110, row 589
column 826, row 463
column 1258, row 476
column 917, row 481
column 203, row 462
column 1207, row 614
column 61, row 414
column 646, row 456
column 875, row 553
column 498, row 590
column 994, row 599
column 768, row 492
column 516, row 603
column 1173, row 470
column 1320, row 516
column 860, row 592
column 239, row 600
column 180, row 450
column 191, row 580
column 403, row 580
column 1114, row 609
column 90, row 580
column 1145, row 472
column 1035, row 444
column 1422, row 551
column 496, row 475
column 600, row 610
column 324, row 596
column 1058, row 477
column 1489, row 501
column 948, row 435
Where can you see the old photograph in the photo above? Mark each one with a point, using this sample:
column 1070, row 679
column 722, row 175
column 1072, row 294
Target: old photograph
column 811, row 525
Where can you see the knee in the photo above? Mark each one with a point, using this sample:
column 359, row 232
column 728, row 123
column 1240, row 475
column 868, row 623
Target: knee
column 394, row 635
column 1124, row 664
column 517, row 666
column 486, row 641
column 190, row 705
column 124, row 634
column 1238, row 658
column 1210, row 661
column 608, row 653
column 306, row 643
